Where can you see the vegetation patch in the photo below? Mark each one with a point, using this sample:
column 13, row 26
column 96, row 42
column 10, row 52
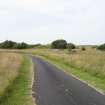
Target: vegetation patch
column 89, row 68
column 59, row 44
column 19, row 91
column 9, row 68
column 101, row 47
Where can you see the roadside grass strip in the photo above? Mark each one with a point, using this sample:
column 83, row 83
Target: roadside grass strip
column 95, row 82
column 19, row 91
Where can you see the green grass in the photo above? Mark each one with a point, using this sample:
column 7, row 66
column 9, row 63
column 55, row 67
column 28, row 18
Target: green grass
column 19, row 92
column 97, row 83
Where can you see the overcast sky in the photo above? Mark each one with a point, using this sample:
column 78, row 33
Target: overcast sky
column 42, row 21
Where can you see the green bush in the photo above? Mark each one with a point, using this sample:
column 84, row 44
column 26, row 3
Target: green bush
column 83, row 48
column 7, row 44
column 13, row 45
column 101, row 47
column 59, row 44
column 22, row 45
column 71, row 46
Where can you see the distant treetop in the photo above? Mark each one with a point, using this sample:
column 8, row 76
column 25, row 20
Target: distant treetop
column 59, row 44
column 101, row 47
column 13, row 45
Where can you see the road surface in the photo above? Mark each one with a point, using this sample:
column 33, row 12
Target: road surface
column 54, row 87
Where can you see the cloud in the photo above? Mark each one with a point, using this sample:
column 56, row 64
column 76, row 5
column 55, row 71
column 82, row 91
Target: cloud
column 46, row 20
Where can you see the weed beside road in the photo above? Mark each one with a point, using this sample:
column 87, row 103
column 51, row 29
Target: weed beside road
column 9, row 68
column 18, row 91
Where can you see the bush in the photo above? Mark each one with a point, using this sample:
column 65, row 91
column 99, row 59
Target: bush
column 7, row 44
column 13, row 45
column 59, row 44
column 101, row 47
column 22, row 45
column 71, row 46
column 83, row 48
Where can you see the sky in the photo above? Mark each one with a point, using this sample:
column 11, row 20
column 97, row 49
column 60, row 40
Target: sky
column 42, row 21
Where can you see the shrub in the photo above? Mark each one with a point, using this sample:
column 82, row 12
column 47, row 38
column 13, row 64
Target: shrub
column 7, row 44
column 14, row 45
column 59, row 44
column 101, row 47
column 83, row 48
column 71, row 46
column 22, row 45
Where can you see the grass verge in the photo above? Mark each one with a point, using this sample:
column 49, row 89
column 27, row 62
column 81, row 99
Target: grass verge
column 9, row 69
column 95, row 82
column 19, row 92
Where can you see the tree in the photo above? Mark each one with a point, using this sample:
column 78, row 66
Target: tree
column 14, row 45
column 101, row 47
column 22, row 45
column 7, row 44
column 71, row 46
column 59, row 44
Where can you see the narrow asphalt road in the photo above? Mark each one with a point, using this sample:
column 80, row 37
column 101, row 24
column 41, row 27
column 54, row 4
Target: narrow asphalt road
column 54, row 87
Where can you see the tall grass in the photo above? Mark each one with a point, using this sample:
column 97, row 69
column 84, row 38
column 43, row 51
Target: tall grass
column 15, row 79
column 9, row 68
column 19, row 92
column 91, row 61
column 88, row 65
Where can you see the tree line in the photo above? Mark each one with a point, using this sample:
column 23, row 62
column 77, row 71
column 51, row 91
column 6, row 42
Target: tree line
column 14, row 45
column 62, row 44
column 57, row 44
column 101, row 47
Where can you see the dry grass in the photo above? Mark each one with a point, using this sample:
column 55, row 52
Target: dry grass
column 91, row 61
column 88, row 66
column 9, row 68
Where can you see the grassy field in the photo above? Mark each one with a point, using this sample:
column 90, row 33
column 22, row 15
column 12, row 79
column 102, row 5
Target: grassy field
column 9, row 68
column 15, row 79
column 88, row 65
